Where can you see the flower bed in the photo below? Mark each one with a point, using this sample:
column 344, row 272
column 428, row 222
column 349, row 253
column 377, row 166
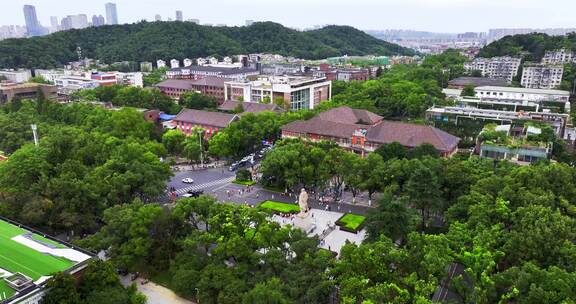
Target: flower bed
column 278, row 207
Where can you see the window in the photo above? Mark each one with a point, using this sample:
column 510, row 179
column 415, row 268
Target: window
column 300, row 99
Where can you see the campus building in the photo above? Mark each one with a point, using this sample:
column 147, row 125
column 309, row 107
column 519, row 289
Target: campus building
column 10, row 91
column 17, row 76
column 516, row 143
column 210, row 86
column 341, row 74
column 29, row 258
column 198, row 72
column 495, row 67
column 541, row 76
column 299, row 92
column 511, row 93
column 211, row 122
column 362, row 132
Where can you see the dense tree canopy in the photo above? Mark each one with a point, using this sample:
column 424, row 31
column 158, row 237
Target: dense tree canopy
column 146, row 41
column 531, row 46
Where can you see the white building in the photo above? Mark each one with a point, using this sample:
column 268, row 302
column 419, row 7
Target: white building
column 135, row 79
column 542, row 76
column 201, row 61
column 74, row 83
column 160, row 63
column 146, row 66
column 561, row 56
column 187, row 62
column 495, row 67
column 510, row 93
column 174, row 63
column 299, row 91
column 17, row 75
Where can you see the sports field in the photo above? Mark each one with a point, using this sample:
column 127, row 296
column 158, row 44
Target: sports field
column 17, row 257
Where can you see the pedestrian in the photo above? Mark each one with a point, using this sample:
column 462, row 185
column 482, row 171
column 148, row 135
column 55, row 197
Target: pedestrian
column 369, row 203
column 257, row 195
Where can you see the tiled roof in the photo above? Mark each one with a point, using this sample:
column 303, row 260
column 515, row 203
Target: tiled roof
column 478, row 81
column 319, row 126
column 411, row 135
column 176, row 84
column 219, row 70
column 250, row 107
column 348, row 115
column 198, row 117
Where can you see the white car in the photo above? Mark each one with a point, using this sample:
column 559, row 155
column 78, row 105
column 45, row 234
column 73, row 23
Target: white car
column 187, row 180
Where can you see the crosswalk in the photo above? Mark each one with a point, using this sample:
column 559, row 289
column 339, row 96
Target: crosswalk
column 213, row 183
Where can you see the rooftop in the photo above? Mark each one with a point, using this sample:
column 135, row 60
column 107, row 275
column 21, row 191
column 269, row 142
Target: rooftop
column 32, row 255
column 219, row 70
column 249, row 107
column 205, row 118
column 523, row 90
column 478, row 81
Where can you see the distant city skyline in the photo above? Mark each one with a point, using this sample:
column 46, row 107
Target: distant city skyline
column 446, row 16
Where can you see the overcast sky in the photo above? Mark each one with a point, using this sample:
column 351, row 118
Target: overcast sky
column 428, row 15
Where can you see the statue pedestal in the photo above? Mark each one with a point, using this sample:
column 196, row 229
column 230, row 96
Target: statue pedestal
column 302, row 215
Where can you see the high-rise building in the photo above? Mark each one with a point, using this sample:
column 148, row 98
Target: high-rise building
column 79, row 21
column 54, row 25
column 495, row 67
column 179, row 16
column 32, row 25
column 111, row 13
column 158, row 17
column 98, row 20
column 542, row 76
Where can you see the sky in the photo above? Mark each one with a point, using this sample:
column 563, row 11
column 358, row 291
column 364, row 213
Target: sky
column 451, row 16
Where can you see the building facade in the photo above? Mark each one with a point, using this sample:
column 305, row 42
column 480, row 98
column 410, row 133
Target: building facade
column 17, row 76
column 511, row 93
column 198, row 72
column 363, row 132
column 561, row 56
column 542, row 76
column 297, row 92
column 495, row 67
column 210, row 122
column 9, row 92
column 210, row 86
column 111, row 13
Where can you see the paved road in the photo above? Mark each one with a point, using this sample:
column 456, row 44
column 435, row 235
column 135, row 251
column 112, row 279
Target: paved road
column 155, row 294
column 218, row 182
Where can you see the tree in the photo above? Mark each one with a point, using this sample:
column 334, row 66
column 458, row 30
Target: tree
column 391, row 218
column 39, row 79
column 423, row 150
column 423, row 192
column 192, row 149
column 61, row 290
column 174, row 141
column 392, row 150
column 193, row 100
column 243, row 175
column 468, row 91
column 269, row 292
column 373, row 173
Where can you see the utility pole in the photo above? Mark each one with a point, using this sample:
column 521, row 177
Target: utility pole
column 35, row 132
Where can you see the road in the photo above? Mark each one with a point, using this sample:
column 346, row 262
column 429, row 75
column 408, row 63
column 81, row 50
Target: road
column 218, row 183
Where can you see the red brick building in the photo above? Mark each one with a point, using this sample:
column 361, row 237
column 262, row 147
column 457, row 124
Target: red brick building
column 211, row 122
column 210, row 86
column 362, row 131
column 342, row 74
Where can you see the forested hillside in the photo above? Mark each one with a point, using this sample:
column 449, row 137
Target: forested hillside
column 532, row 46
column 146, row 41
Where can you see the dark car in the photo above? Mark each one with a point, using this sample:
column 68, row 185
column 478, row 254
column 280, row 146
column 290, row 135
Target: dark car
column 195, row 193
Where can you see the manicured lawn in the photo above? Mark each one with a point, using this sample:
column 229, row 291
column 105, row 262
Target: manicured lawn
column 15, row 257
column 5, row 290
column 351, row 222
column 244, row 183
column 280, row 207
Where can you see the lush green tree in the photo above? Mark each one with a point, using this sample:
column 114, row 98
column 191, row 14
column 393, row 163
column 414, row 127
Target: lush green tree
column 269, row 292
column 61, row 290
column 392, row 218
column 468, row 91
column 174, row 141
column 423, row 150
column 154, row 77
column 192, row 149
column 193, row 100
column 392, row 150
column 423, row 192
column 39, row 79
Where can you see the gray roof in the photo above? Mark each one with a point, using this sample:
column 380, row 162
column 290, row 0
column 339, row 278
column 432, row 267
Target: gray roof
column 249, row 107
column 411, row 135
column 523, row 90
column 175, row 83
column 219, row 70
column 478, row 81
column 205, row 118
column 350, row 116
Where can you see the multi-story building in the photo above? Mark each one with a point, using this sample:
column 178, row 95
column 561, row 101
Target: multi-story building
column 462, row 82
column 98, row 20
column 299, row 92
column 362, row 132
column 211, row 122
column 11, row 91
column 104, row 78
column 111, row 13
column 179, row 16
column 541, row 76
column 146, row 66
column 160, row 63
column 511, row 93
column 517, row 143
column 70, row 84
column 210, row 86
column 16, row 75
column 33, row 26
column 561, row 56
column 341, row 74
column 135, row 79
column 198, row 72
column 495, row 67
column 29, row 258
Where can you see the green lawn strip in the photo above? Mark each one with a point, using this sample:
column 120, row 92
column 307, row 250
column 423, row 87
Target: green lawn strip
column 47, row 241
column 280, row 207
column 244, row 183
column 16, row 257
column 351, row 222
column 273, row 189
column 5, row 290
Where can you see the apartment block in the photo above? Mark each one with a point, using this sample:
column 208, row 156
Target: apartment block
column 495, row 67
column 561, row 56
column 541, row 76
column 299, row 92
column 16, row 75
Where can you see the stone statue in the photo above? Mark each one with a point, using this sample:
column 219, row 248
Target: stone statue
column 303, row 203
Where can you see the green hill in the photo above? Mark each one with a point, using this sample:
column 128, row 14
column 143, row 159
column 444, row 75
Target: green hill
column 531, row 46
column 147, row 41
